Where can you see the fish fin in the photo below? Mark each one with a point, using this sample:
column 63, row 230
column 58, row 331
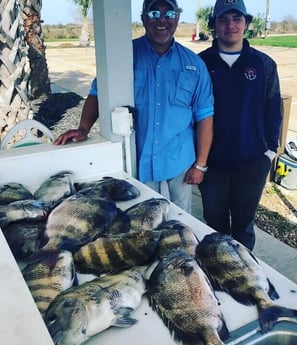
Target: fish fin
column 3, row 220
column 224, row 332
column 123, row 319
column 46, row 256
column 178, row 335
column 241, row 298
column 70, row 244
column 124, row 322
column 268, row 316
column 272, row 292
column 214, row 283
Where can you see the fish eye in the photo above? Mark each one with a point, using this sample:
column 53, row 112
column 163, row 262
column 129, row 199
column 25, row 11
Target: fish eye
column 187, row 268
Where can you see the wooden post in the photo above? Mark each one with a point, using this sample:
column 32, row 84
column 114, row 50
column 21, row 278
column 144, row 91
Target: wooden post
column 286, row 109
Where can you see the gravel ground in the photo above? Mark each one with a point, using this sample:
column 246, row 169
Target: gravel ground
column 277, row 212
column 60, row 112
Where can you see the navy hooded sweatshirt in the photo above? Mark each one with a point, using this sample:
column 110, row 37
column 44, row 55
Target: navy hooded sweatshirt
column 247, row 108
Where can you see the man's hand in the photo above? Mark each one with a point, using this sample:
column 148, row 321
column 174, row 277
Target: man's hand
column 73, row 135
column 193, row 176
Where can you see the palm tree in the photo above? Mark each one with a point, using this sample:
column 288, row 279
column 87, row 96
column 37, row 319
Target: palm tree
column 39, row 78
column 202, row 16
column 85, row 32
column 14, row 74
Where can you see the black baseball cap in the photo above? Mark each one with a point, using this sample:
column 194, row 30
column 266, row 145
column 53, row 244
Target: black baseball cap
column 147, row 5
column 223, row 6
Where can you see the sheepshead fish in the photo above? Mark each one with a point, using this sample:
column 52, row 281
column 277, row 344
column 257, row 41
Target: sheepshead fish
column 179, row 291
column 56, row 188
column 92, row 307
column 116, row 189
column 234, row 269
column 25, row 237
column 13, row 191
column 175, row 234
column 45, row 283
column 28, row 209
column 148, row 214
column 78, row 219
column 120, row 224
column 113, row 253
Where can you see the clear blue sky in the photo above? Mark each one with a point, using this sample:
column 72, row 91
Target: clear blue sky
column 65, row 11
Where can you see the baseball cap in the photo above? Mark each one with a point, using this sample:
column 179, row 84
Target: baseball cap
column 147, row 4
column 222, row 6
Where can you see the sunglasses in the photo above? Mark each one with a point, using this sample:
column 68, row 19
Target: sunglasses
column 156, row 14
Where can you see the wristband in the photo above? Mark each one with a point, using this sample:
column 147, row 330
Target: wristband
column 199, row 167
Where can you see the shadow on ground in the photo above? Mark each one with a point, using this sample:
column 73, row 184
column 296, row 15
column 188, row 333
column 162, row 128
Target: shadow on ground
column 50, row 109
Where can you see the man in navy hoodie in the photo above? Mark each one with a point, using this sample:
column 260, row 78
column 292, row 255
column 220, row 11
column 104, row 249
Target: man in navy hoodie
column 247, row 119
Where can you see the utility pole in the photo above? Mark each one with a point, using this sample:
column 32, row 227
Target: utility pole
column 198, row 20
column 267, row 19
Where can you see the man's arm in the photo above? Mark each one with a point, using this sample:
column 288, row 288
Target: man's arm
column 89, row 115
column 204, row 137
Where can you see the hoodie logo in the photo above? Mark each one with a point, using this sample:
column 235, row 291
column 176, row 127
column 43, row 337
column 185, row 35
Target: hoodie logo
column 250, row 73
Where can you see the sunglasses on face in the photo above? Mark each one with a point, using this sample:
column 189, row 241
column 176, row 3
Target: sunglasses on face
column 156, row 14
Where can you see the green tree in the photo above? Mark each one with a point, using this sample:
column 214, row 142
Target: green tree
column 257, row 26
column 85, row 6
column 202, row 17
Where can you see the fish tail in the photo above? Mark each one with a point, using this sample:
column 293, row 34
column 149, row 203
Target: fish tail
column 269, row 316
column 48, row 257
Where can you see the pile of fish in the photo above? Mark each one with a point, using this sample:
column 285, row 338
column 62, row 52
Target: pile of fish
column 65, row 229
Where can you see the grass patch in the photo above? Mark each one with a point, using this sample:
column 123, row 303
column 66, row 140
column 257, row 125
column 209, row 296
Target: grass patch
column 275, row 41
column 51, row 40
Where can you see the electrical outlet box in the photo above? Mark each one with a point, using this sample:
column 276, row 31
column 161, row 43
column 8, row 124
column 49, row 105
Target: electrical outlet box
column 121, row 121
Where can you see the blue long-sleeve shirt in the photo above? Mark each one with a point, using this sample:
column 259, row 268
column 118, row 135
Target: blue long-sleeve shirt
column 172, row 92
column 247, row 108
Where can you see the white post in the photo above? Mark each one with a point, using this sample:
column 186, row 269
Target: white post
column 114, row 62
column 267, row 19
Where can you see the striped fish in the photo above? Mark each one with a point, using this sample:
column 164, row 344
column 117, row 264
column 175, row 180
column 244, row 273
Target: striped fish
column 175, row 235
column 234, row 269
column 56, row 188
column 13, row 191
column 46, row 283
column 20, row 210
column 88, row 309
column 180, row 293
column 109, row 254
column 148, row 214
column 116, row 189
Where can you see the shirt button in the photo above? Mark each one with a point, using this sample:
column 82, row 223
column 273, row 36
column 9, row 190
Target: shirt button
column 157, row 123
column 158, row 85
column 158, row 104
column 156, row 142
